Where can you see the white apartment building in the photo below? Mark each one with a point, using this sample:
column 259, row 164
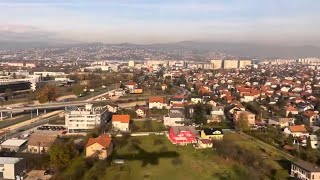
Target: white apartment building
column 11, row 167
column 244, row 63
column 217, row 64
column 84, row 119
column 52, row 74
column 20, row 64
column 230, row 64
column 131, row 63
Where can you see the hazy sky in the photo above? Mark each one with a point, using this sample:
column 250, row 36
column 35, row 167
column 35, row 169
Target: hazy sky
column 156, row 21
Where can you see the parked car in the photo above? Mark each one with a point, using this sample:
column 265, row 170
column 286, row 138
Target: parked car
column 49, row 172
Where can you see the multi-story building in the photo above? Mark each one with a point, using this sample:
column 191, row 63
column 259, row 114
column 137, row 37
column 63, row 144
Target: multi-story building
column 18, row 86
column 51, row 74
column 33, row 79
column 121, row 122
column 217, row 64
column 131, row 63
column 250, row 117
column 20, row 64
column 11, row 167
column 174, row 118
column 182, row 135
column 156, row 102
column 304, row 170
column 230, row 64
column 84, row 119
column 244, row 63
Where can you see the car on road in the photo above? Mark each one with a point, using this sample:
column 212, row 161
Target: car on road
column 20, row 130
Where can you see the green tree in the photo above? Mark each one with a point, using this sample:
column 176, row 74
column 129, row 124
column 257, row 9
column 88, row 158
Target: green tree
column 47, row 94
column 290, row 140
column 290, row 115
column 62, row 154
column 242, row 124
column 309, row 147
column 77, row 89
column 199, row 114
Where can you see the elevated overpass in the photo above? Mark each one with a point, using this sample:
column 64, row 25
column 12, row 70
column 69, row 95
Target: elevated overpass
column 57, row 105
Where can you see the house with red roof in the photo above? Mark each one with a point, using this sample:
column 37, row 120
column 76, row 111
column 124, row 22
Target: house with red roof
column 310, row 117
column 100, row 147
column 120, row 122
column 292, row 110
column 297, row 131
column 131, row 85
column 182, row 135
column 156, row 102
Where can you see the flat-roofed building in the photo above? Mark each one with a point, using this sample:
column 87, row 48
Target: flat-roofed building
column 230, row 64
column 243, row 63
column 217, row 64
column 85, row 119
column 13, row 144
column 250, row 117
column 11, row 167
column 305, row 170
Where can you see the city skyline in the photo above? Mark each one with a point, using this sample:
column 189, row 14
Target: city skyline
column 269, row 22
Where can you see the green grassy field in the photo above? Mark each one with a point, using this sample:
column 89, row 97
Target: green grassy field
column 144, row 126
column 156, row 158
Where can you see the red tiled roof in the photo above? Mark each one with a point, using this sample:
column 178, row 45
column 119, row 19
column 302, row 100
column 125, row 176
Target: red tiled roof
column 291, row 108
column 309, row 113
column 298, row 128
column 121, row 118
column 178, row 96
column 131, row 83
column 104, row 140
column 156, row 99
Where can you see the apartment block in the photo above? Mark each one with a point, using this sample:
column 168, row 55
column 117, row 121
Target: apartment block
column 84, row 119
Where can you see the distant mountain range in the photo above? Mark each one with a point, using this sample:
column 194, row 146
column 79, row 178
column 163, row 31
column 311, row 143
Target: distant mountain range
column 236, row 49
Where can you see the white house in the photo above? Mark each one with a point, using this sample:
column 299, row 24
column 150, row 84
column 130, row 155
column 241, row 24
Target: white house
column 140, row 112
column 196, row 100
column 121, row 122
column 217, row 110
column 173, row 119
column 156, row 102
column 296, row 131
column 315, row 142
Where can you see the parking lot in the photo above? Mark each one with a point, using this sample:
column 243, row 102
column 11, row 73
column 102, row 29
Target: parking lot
column 51, row 128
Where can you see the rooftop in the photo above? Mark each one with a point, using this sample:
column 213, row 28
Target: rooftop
column 104, row 140
column 177, row 129
column 298, row 128
column 307, row 166
column 121, row 118
column 14, row 142
column 44, row 140
column 9, row 160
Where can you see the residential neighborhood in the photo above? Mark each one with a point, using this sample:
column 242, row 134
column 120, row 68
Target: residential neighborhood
column 176, row 109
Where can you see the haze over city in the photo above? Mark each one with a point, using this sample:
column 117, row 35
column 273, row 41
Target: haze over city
column 287, row 22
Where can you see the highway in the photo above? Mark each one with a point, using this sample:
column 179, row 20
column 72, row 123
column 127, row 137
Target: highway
column 26, row 128
column 49, row 105
column 57, row 105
